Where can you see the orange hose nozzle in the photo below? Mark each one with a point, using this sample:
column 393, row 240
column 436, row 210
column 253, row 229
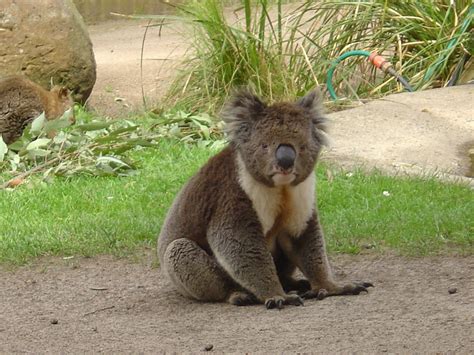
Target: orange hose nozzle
column 379, row 61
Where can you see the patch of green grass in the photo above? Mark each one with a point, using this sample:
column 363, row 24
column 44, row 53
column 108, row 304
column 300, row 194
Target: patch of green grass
column 88, row 215
column 413, row 216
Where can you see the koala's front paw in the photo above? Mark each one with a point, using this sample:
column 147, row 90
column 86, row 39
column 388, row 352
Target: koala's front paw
column 279, row 301
column 334, row 290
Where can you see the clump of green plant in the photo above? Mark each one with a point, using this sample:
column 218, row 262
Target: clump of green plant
column 91, row 146
column 202, row 129
column 95, row 146
column 282, row 50
column 250, row 52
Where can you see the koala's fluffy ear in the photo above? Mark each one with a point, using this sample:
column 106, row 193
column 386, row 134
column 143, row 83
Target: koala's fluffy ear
column 239, row 114
column 312, row 102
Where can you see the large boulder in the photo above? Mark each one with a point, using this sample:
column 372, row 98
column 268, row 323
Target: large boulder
column 47, row 41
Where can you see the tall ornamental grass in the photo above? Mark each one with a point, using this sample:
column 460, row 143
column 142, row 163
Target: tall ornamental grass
column 282, row 50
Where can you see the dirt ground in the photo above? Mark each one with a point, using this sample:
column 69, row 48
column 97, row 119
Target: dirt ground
column 117, row 49
column 108, row 305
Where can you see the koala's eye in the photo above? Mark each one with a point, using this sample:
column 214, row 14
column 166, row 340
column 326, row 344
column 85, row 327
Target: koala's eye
column 264, row 146
column 302, row 148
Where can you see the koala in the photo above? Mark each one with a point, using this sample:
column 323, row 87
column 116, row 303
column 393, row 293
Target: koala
column 241, row 226
column 22, row 100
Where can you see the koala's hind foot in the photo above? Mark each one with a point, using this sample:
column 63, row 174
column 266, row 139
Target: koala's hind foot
column 242, row 298
column 196, row 274
column 353, row 288
column 279, row 301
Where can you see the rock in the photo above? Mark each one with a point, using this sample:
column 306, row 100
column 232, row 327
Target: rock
column 46, row 40
column 452, row 290
column 208, row 347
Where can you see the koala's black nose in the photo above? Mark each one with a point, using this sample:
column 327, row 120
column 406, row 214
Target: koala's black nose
column 285, row 155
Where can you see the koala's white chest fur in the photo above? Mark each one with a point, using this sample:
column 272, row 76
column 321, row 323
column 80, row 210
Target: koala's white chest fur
column 279, row 208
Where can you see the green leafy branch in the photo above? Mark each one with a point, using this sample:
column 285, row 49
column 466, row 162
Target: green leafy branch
column 96, row 147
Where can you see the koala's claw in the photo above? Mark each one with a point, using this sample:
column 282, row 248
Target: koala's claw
column 318, row 294
column 272, row 303
column 279, row 301
column 295, row 300
column 350, row 289
column 279, row 304
column 322, row 294
column 359, row 287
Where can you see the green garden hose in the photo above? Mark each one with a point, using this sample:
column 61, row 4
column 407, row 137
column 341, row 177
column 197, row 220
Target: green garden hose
column 384, row 65
column 375, row 59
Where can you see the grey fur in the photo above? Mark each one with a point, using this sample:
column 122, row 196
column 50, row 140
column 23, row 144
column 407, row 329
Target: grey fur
column 242, row 225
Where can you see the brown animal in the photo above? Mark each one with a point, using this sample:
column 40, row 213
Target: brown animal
column 242, row 225
column 21, row 101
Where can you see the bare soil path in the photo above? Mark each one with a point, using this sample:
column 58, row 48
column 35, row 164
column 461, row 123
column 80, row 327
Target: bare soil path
column 117, row 49
column 107, row 305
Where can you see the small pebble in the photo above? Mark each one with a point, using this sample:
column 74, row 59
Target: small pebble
column 54, row 321
column 208, row 347
column 452, row 290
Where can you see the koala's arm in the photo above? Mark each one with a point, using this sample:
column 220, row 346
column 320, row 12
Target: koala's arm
column 309, row 254
column 239, row 247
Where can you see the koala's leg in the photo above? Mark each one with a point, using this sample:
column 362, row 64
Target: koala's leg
column 286, row 270
column 194, row 272
column 308, row 251
column 240, row 249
